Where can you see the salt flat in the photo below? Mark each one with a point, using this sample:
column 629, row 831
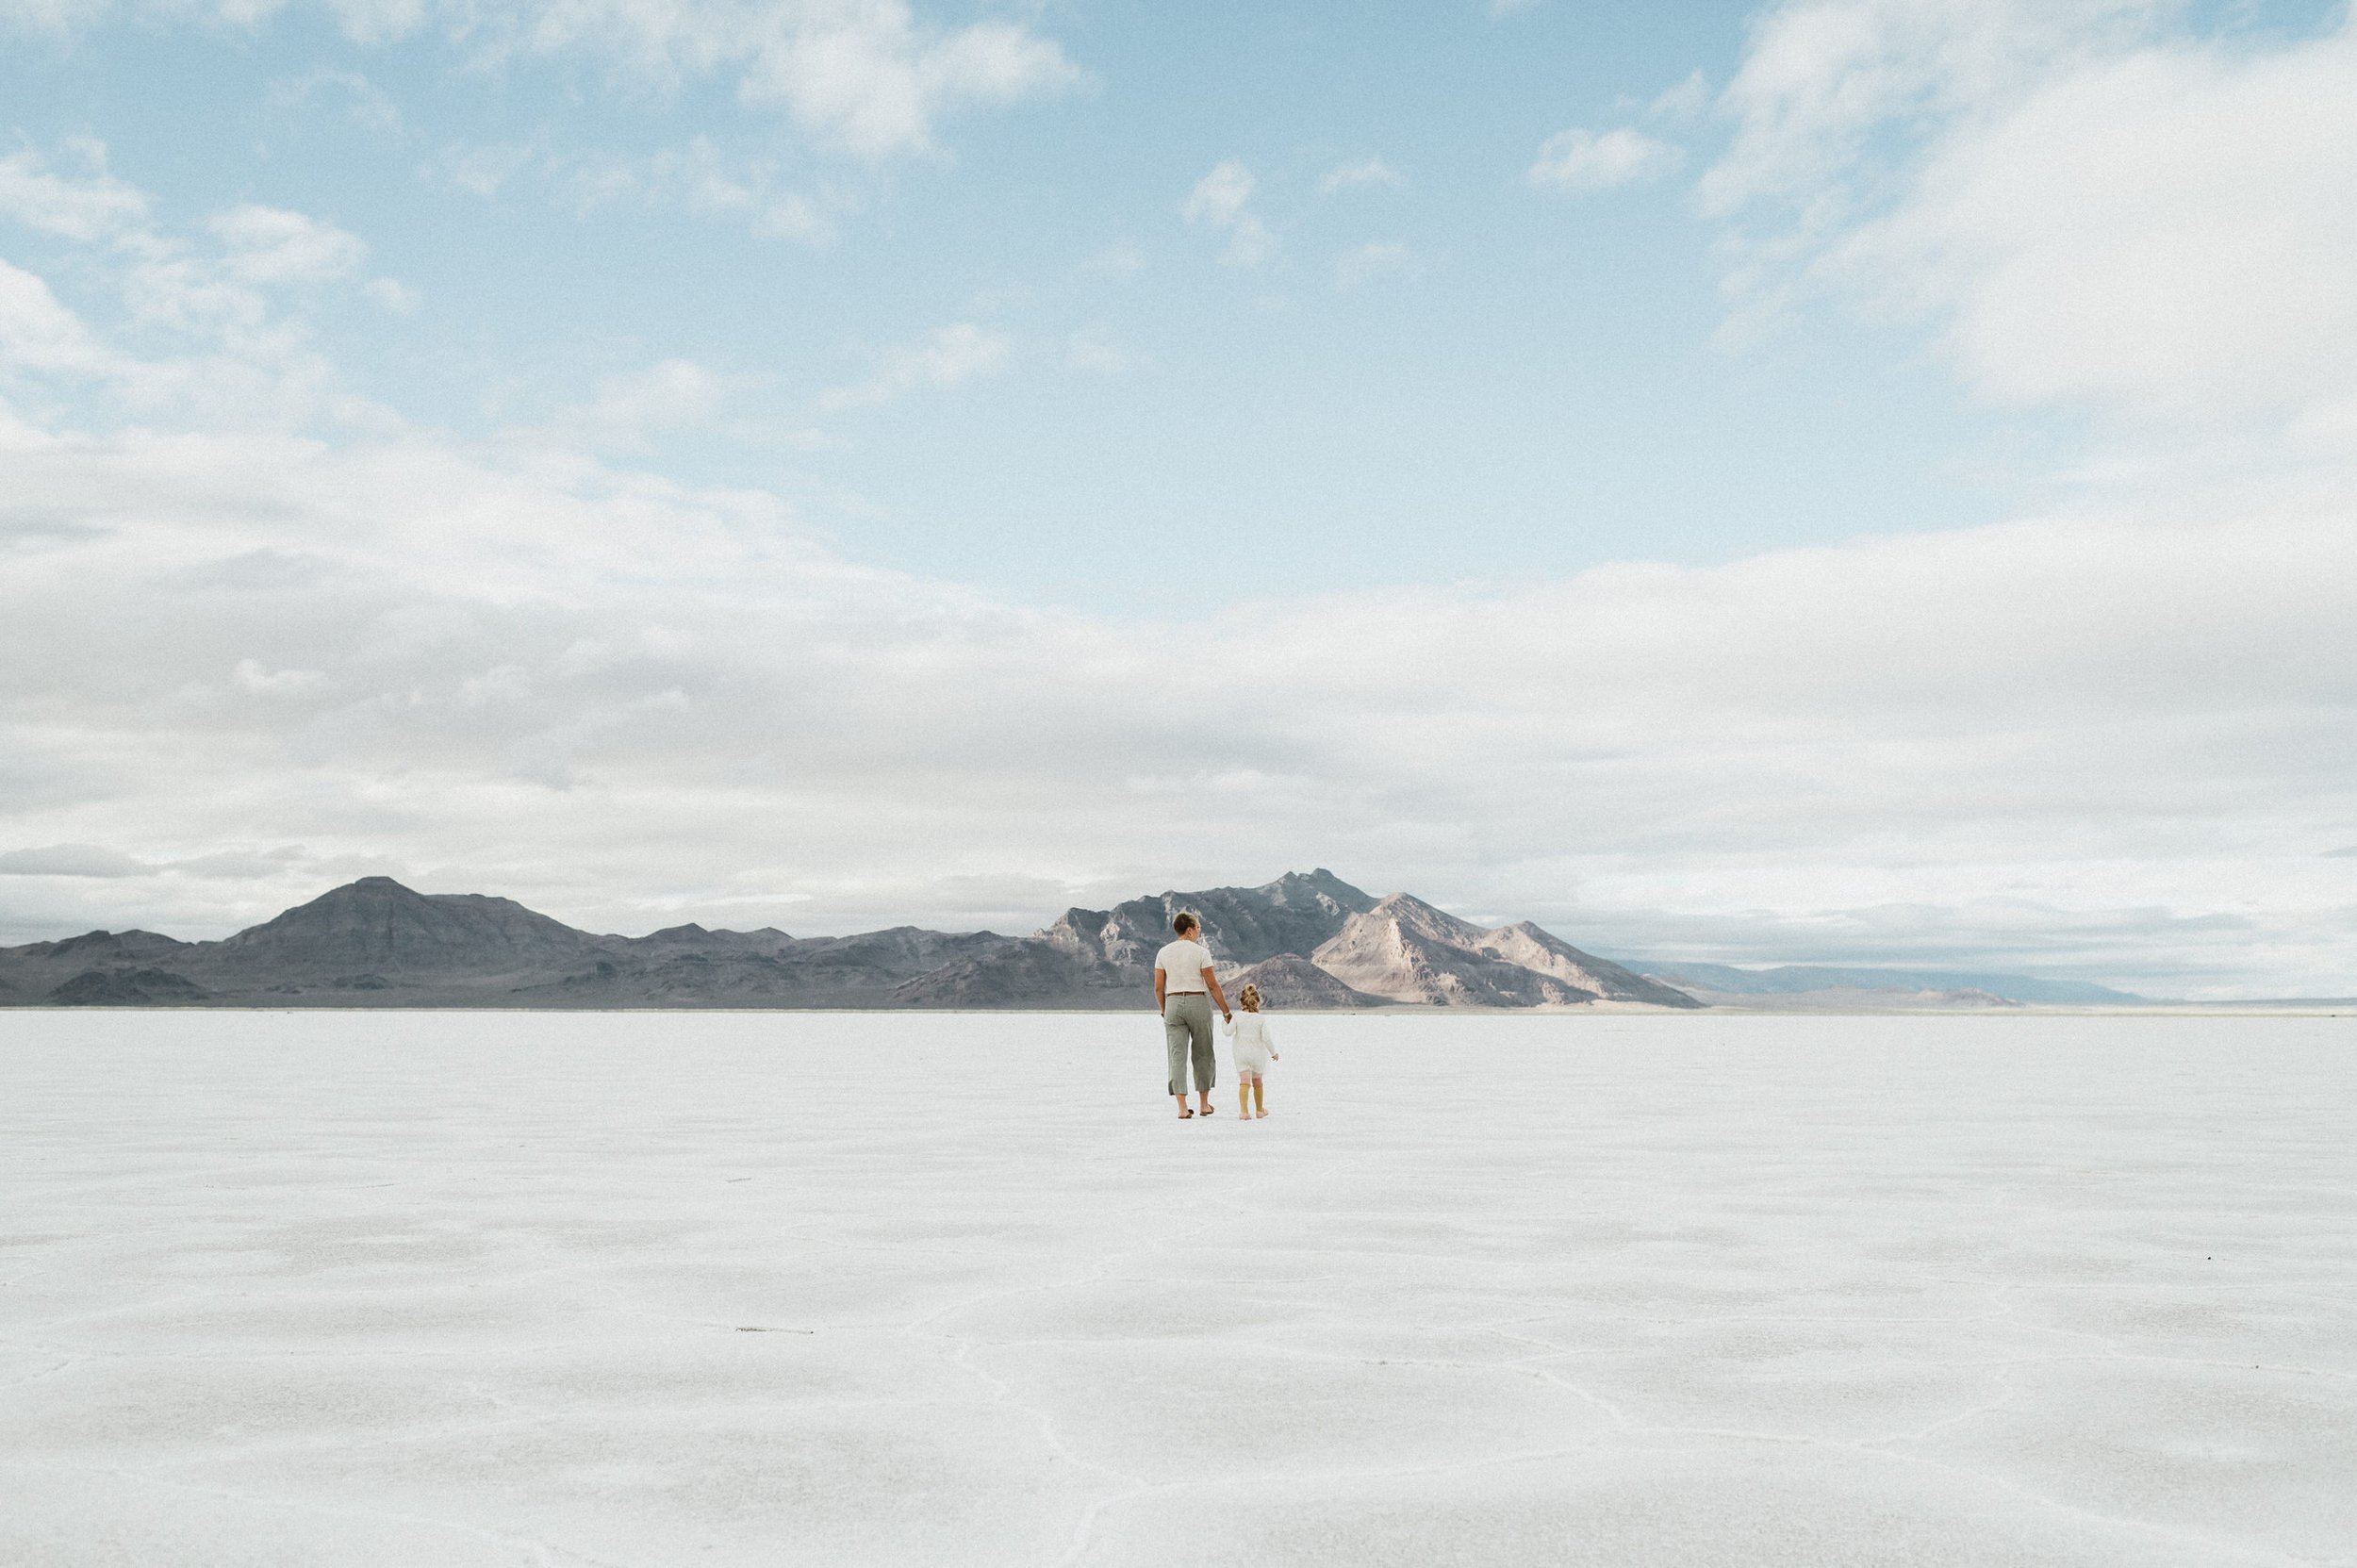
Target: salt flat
column 472, row 1289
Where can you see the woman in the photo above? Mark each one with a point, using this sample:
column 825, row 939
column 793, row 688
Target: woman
column 1184, row 989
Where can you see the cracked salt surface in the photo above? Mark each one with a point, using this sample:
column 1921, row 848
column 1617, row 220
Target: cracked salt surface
column 458, row 1289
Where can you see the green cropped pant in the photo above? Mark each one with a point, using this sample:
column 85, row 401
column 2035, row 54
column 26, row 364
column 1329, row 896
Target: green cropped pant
column 1187, row 1030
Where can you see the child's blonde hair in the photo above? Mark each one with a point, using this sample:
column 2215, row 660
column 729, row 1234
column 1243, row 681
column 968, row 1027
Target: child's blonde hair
column 1250, row 996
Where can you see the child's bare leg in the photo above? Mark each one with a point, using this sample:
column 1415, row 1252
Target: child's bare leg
column 1243, row 1096
column 1260, row 1099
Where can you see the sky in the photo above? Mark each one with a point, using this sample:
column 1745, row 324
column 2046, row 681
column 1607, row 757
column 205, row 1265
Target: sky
column 1845, row 481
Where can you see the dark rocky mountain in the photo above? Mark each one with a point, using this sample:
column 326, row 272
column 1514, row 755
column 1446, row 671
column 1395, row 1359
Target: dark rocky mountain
column 902, row 952
column 763, row 968
column 1243, row 925
column 34, row 970
column 112, row 946
column 126, row 987
column 1307, row 940
column 695, row 938
column 1033, row 973
column 376, row 924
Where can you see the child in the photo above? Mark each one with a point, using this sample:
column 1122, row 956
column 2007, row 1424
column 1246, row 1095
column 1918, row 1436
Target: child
column 1252, row 1051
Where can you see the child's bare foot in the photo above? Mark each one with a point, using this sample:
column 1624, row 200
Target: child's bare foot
column 1258, row 1114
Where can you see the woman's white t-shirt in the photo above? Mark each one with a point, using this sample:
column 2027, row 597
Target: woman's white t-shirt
column 1182, row 964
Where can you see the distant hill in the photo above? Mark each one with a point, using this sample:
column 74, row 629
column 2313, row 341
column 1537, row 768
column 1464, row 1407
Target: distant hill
column 1799, row 979
column 1309, row 939
column 376, row 924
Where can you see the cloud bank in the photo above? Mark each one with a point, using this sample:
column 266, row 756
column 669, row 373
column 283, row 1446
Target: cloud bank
column 616, row 698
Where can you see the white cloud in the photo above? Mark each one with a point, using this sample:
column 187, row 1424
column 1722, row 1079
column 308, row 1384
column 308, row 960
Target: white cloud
column 50, row 16
column 39, row 333
column 98, row 861
column 366, row 104
column 1221, row 201
column 70, row 860
column 272, row 245
column 485, row 170
column 632, row 408
column 253, row 677
column 362, row 21
column 698, row 179
column 866, row 76
column 393, row 295
column 2094, row 213
column 2171, row 232
column 1684, row 100
column 869, row 77
column 790, row 215
column 692, row 178
column 1823, row 81
column 1219, row 198
column 92, row 207
column 948, row 356
column 1364, row 174
column 216, row 337
column 1585, row 160
column 1249, row 242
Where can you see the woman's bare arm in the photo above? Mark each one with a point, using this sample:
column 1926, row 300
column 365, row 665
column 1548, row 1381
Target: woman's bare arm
column 1217, row 995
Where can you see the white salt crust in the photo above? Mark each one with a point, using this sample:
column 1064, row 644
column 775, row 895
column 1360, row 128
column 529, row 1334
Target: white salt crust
column 402, row 1289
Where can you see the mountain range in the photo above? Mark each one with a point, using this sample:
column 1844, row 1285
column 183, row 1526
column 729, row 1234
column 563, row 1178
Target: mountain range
column 1306, row 939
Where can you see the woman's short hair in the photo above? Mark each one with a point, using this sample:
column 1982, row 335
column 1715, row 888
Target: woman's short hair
column 1183, row 922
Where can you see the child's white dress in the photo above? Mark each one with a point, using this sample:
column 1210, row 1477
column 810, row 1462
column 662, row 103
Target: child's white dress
column 1249, row 1033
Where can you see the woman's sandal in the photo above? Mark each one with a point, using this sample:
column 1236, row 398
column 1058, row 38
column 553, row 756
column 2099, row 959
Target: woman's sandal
column 1184, row 1114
